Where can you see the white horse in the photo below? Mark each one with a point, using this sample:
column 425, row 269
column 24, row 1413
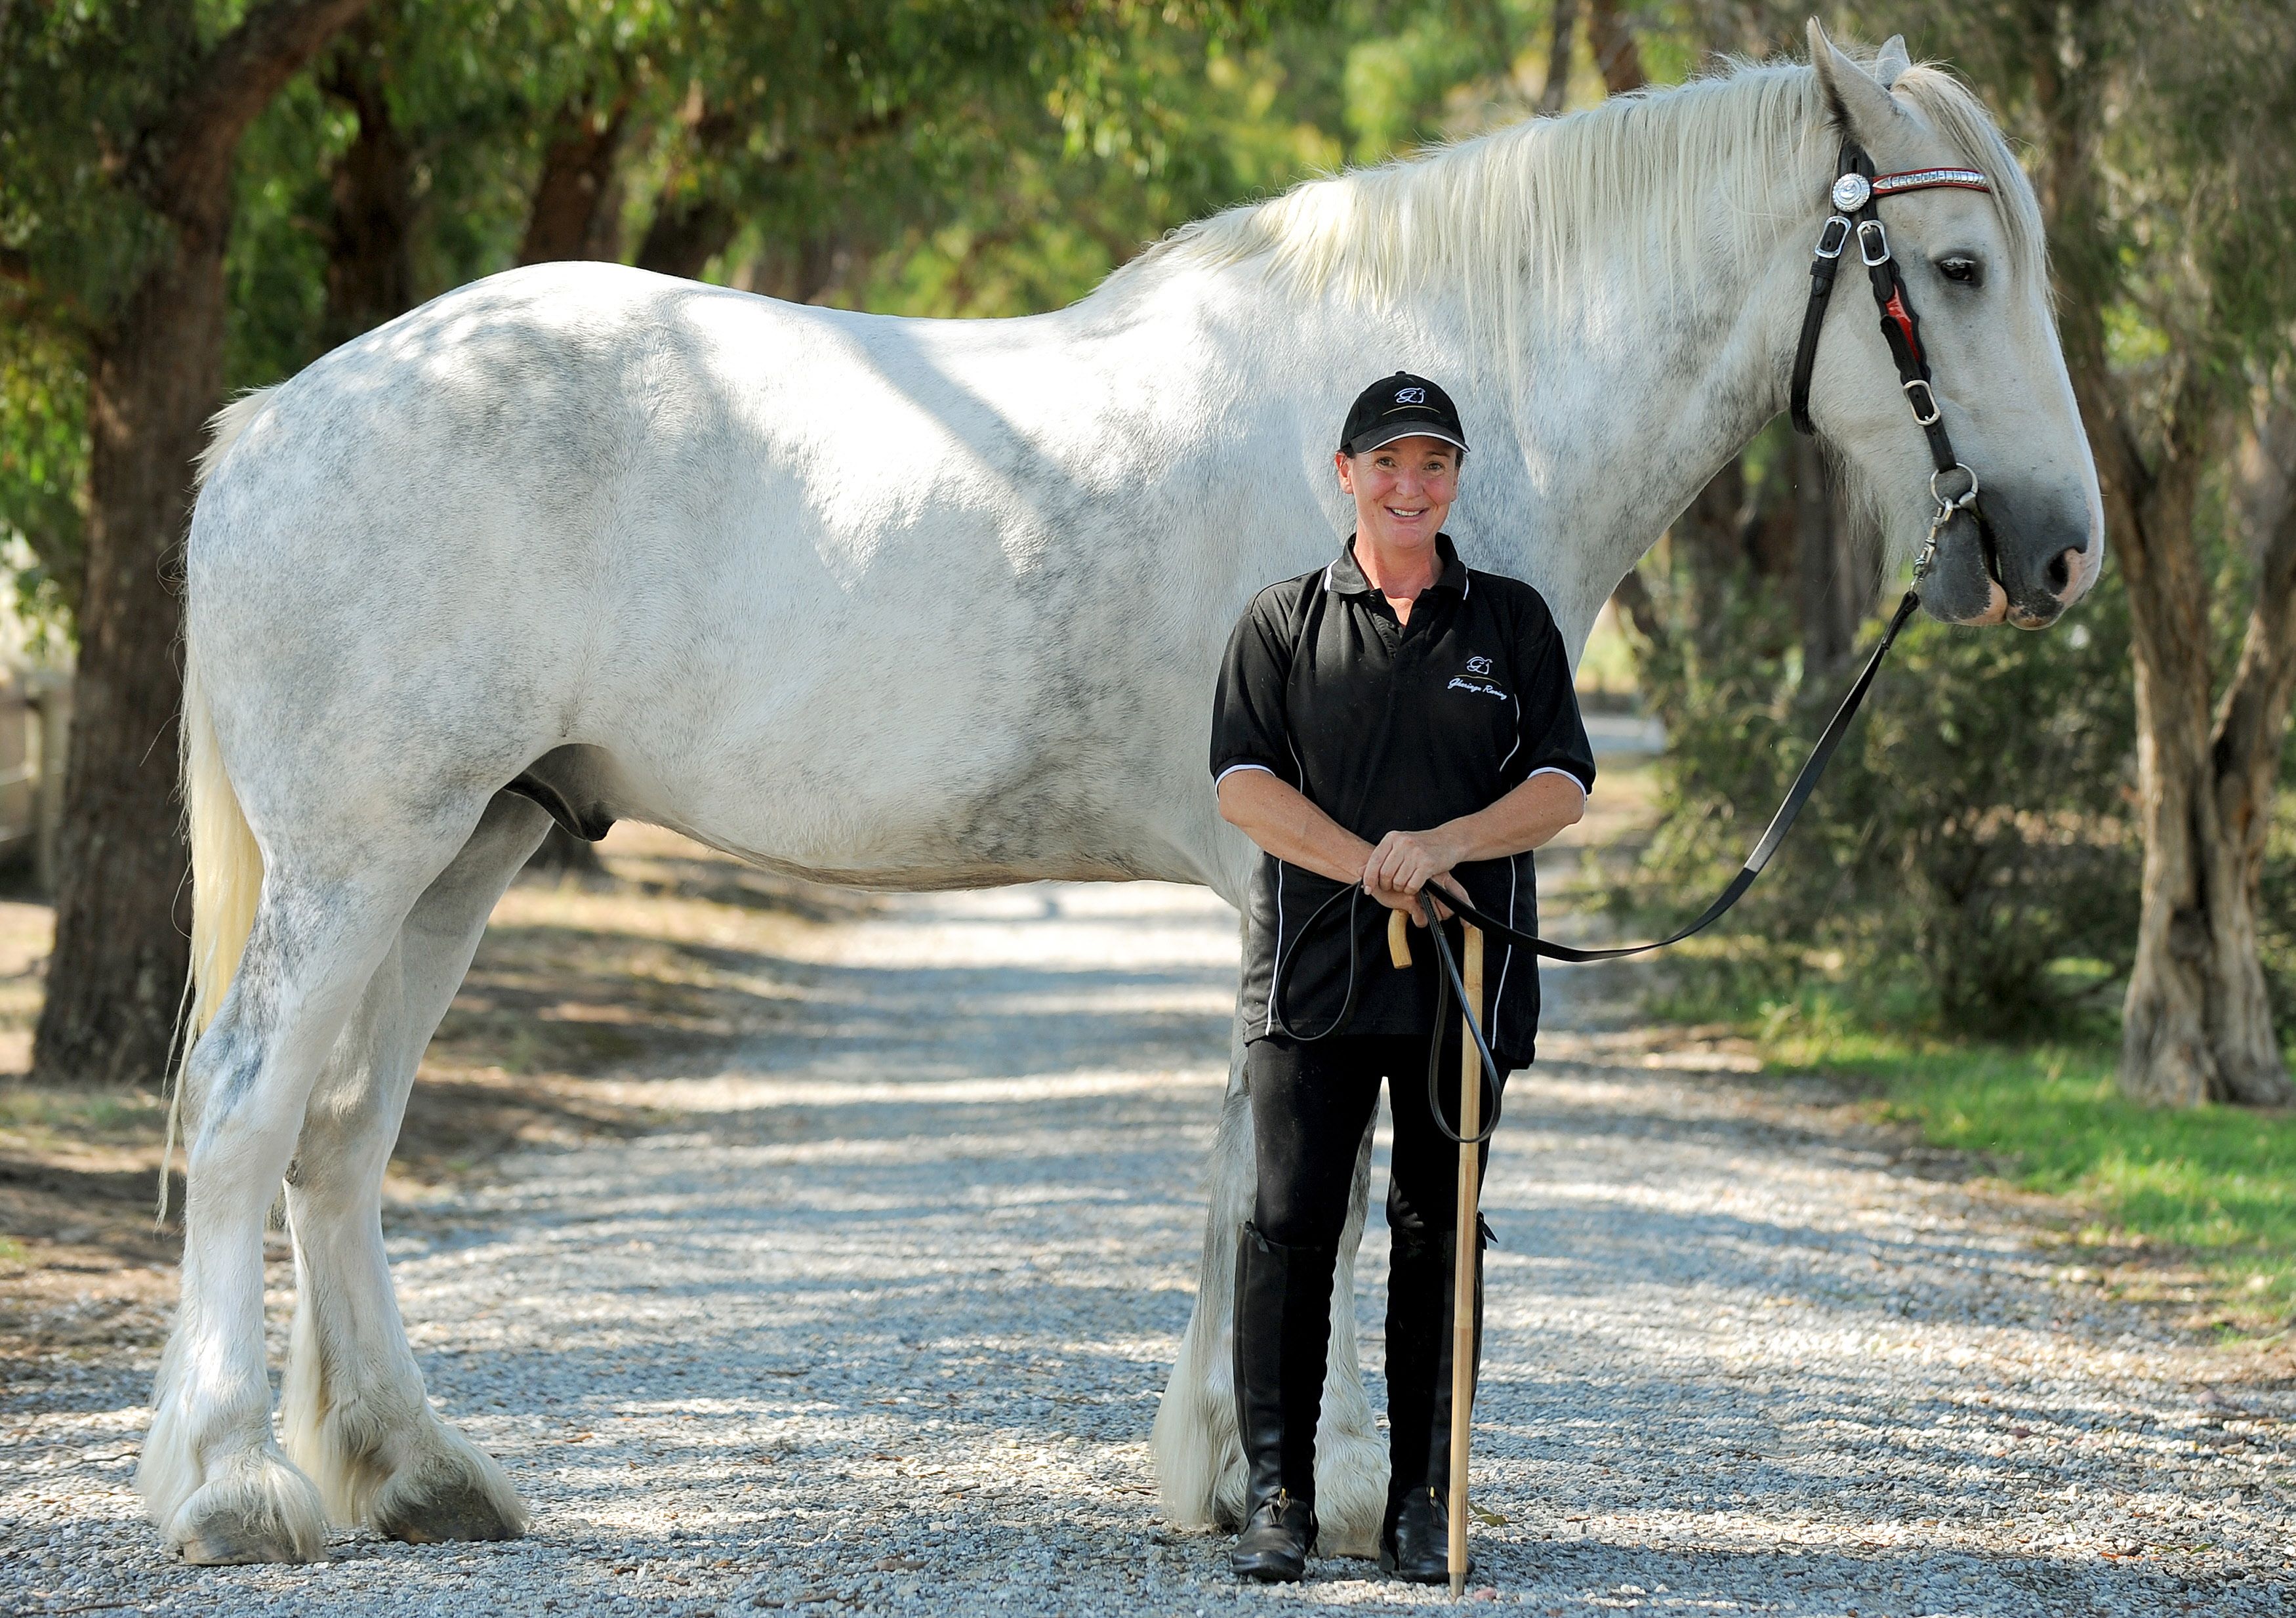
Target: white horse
column 908, row 604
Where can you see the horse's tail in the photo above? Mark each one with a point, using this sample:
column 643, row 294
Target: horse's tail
column 226, row 864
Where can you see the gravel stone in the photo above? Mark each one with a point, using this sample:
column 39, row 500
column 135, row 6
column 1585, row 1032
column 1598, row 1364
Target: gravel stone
column 879, row 1321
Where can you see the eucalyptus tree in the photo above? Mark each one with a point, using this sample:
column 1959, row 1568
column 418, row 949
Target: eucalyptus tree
column 119, row 127
column 2173, row 196
column 2165, row 143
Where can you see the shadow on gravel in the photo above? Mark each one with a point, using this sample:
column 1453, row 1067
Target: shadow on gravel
column 1586, row 1576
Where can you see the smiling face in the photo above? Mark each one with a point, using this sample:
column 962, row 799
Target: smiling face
column 1403, row 492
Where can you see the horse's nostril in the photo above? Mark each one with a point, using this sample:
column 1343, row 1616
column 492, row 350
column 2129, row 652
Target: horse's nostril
column 2061, row 571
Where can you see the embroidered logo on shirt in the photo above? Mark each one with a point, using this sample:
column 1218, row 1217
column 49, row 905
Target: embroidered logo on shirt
column 1479, row 665
column 1479, row 688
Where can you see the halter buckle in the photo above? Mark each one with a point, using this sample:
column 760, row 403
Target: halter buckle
column 1872, row 243
column 1833, row 237
column 1929, row 393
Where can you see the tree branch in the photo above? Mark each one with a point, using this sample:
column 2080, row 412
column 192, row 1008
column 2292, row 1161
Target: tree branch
column 187, row 168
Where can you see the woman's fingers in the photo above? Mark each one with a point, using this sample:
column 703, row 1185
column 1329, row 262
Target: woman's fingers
column 1396, row 900
column 1402, row 863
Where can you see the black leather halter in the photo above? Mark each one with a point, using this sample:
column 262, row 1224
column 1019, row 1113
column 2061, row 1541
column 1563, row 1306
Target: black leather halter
column 1857, row 195
column 1953, row 487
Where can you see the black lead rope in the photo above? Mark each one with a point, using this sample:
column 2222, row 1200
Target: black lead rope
column 1449, row 983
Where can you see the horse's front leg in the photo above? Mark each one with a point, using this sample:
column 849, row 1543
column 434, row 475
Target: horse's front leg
column 1198, row 1457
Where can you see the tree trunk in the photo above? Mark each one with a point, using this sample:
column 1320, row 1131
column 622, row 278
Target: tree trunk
column 1617, row 57
column 2196, row 1025
column 116, row 974
column 2166, row 1052
column 370, row 256
column 685, row 236
column 570, row 217
column 2196, row 1022
column 1561, row 44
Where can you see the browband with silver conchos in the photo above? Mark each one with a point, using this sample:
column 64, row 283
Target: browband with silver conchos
column 1852, row 191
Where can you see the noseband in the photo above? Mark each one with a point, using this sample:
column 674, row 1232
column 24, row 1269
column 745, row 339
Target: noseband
column 1857, row 192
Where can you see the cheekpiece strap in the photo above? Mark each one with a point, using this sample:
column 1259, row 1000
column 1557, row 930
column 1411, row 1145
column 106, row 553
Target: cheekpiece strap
column 1856, row 225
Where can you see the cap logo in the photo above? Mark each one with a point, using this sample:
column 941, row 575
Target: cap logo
column 1411, row 395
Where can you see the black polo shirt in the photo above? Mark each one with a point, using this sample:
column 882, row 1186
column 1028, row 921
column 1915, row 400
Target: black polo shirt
column 1387, row 725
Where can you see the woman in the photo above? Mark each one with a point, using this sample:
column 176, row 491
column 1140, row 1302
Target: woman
column 1392, row 719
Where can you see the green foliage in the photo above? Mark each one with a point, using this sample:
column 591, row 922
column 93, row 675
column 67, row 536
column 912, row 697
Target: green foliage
column 79, row 83
column 2221, row 1181
column 1969, row 841
column 43, row 476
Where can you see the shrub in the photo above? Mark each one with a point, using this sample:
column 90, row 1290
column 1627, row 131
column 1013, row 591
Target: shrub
column 1971, row 850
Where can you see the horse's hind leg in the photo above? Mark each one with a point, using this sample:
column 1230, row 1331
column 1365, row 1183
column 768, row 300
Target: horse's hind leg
column 354, row 1408
column 212, row 1474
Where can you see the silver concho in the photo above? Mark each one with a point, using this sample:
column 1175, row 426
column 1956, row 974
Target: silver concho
column 1852, row 191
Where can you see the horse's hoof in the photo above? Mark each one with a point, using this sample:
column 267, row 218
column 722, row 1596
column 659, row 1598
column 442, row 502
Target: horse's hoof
column 272, row 1515
column 237, row 1544
column 455, row 1494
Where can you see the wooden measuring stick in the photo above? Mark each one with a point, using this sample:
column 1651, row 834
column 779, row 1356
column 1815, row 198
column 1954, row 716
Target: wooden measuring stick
column 1463, row 1281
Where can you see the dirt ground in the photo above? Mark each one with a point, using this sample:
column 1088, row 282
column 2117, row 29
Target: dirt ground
column 580, row 982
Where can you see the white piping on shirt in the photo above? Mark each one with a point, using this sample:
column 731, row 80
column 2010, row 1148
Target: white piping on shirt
column 1544, row 769
column 1518, row 731
column 1234, row 768
column 1276, row 968
column 1498, row 995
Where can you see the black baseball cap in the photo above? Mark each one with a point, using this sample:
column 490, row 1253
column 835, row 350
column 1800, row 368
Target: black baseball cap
column 1400, row 407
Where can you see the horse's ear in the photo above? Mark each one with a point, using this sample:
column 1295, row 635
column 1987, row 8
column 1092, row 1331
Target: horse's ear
column 1890, row 65
column 1854, row 98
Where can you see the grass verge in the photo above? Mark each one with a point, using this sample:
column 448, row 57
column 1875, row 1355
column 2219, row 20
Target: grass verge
column 2213, row 1189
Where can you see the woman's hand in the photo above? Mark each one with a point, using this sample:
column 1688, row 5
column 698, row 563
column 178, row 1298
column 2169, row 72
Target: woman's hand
column 1404, row 863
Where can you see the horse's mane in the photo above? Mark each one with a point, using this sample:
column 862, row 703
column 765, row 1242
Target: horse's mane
column 1508, row 221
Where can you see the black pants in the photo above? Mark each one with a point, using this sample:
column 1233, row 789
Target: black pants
column 1311, row 1104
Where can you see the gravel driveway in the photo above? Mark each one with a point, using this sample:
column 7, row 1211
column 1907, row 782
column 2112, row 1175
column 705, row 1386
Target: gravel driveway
column 881, row 1325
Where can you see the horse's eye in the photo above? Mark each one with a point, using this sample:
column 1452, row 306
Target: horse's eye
column 1967, row 271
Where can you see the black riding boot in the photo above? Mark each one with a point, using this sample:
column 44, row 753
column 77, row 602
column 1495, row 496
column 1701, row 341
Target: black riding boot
column 1282, row 1329
column 1414, row 1541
